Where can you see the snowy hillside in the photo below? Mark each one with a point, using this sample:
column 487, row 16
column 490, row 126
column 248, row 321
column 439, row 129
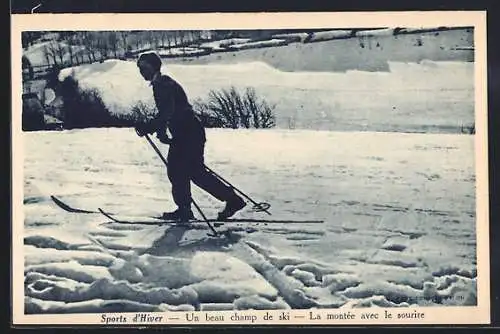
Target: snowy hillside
column 398, row 212
column 370, row 50
column 426, row 97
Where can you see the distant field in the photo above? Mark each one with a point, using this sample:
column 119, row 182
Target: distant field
column 365, row 53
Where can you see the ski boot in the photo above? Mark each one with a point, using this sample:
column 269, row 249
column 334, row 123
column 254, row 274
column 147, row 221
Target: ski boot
column 231, row 208
column 182, row 215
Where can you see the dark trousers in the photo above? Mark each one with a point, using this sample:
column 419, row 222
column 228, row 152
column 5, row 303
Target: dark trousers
column 186, row 164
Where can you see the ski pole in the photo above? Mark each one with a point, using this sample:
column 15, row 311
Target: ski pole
column 263, row 206
column 166, row 165
column 259, row 207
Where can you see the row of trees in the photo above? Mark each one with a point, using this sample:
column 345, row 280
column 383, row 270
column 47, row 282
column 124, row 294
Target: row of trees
column 76, row 47
column 70, row 48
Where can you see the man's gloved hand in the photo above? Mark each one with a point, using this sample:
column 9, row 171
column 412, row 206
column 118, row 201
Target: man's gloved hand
column 164, row 138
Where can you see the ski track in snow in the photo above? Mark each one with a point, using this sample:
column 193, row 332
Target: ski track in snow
column 391, row 237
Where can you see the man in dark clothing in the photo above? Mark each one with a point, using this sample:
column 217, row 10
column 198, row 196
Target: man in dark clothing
column 187, row 143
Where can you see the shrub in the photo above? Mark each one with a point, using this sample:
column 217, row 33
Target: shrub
column 33, row 113
column 228, row 108
column 83, row 108
column 52, row 77
column 142, row 112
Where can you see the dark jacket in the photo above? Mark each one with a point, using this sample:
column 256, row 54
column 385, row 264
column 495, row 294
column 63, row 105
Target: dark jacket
column 176, row 113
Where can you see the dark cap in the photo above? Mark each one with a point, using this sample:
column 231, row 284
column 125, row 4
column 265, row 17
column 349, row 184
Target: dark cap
column 151, row 58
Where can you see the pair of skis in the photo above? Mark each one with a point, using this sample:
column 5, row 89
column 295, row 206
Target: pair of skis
column 258, row 207
column 152, row 220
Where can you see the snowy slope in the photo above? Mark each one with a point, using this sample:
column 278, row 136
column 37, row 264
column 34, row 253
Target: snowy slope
column 398, row 229
column 426, row 97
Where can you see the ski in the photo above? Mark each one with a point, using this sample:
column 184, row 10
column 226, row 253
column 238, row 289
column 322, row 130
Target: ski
column 159, row 221
column 156, row 220
column 149, row 220
column 69, row 208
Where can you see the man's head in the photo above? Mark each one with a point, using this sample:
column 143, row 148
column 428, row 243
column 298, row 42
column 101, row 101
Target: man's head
column 149, row 64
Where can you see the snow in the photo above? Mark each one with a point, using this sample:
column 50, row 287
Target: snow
column 119, row 82
column 418, row 29
column 410, row 97
column 191, row 51
column 375, row 32
column 328, row 35
column 35, row 53
column 383, row 248
column 144, row 47
column 233, row 41
column 72, row 270
column 244, row 43
column 259, row 303
column 258, row 44
column 398, row 208
column 292, row 36
column 223, row 43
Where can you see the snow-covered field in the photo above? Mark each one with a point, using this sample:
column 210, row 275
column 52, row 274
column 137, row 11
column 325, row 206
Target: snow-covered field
column 398, row 211
column 328, row 35
column 181, row 51
column 258, row 44
column 426, row 97
column 224, row 43
column 377, row 32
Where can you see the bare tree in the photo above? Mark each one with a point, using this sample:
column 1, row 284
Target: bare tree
column 184, row 37
column 27, row 68
column 136, row 40
column 72, row 41
column 78, row 45
column 151, row 38
column 169, row 37
column 226, row 107
column 52, row 52
column 124, row 40
column 88, row 43
column 197, row 36
column 113, row 42
column 81, row 51
column 163, row 37
column 58, row 50
column 177, row 37
column 102, row 45
column 47, row 54
column 155, row 39
column 188, row 37
column 229, row 109
column 28, row 38
column 71, row 54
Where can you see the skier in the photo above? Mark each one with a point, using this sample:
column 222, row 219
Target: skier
column 186, row 143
